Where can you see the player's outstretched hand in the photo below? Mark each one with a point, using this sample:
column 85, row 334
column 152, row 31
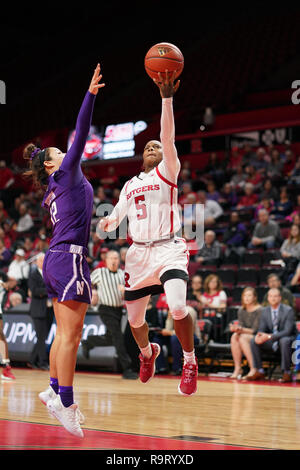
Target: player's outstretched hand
column 167, row 85
column 95, row 85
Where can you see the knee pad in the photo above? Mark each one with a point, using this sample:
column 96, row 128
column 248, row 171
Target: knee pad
column 179, row 312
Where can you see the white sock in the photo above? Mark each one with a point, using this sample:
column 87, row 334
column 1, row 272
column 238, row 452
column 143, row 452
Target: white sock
column 147, row 351
column 5, row 362
column 189, row 357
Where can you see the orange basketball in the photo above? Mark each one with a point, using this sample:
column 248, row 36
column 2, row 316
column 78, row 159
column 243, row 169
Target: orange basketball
column 161, row 57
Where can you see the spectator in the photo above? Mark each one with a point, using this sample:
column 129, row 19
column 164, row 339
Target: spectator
column 41, row 312
column 253, row 176
column 28, row 247
column 7, row 180
column 295, row 281
column 213, row 296
column 267, row 204
column 276, row 332
column 5, row 255
column 15, row 299
column 235, row 237
column 250, row 199
column 167, row 336
column 274, row 282
column 244, row 330
column 289, row 163
column 211, row 251
column 194, row 292
column 294, row 173
column 238, row 180
column 25, row 222
column 269, row 191
column 18, row 268
column 186, row 189
column 275, row 167
column 283, row 207
column 212, row 194
column 236, row 157
column 212, row 209
column 228, row 197
column 103, row 252
column 259, row 161
column 266, row 232
column 290, row 252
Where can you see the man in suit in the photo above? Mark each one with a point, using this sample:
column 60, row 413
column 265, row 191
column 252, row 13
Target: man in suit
column 41, row 314
column 276, row 332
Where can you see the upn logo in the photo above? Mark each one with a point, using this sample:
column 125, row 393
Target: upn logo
column 2, row 92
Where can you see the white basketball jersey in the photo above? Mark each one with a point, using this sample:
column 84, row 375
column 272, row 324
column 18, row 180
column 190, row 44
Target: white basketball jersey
column 152, row 207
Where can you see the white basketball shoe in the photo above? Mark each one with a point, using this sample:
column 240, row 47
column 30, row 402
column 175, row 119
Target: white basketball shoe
column 49, row 394
column 68, row 416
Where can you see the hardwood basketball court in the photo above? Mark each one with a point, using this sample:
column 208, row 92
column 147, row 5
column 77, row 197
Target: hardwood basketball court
column 126, row 414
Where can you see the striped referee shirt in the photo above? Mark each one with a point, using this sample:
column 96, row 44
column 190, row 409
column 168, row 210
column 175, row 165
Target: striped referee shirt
column 107, row 283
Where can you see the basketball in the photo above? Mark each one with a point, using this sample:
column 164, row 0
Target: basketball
column 161, row 57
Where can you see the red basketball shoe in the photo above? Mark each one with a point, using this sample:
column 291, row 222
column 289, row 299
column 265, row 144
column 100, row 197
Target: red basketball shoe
column 7, row 374
column 147, row 367
column 188, row 384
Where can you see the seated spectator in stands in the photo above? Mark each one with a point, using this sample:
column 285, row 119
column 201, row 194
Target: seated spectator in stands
column 248, row 154
column 186, row 189
column 111, row 180
column 295, row 281
column 238, row 180
column 15, row 299
column 236, row 157
column 212, row 194
column 9, row 231
column 18, row 270
column 250, row 199
column 100, row 198
column 290, row 252
column 253, row 176
column 25, row 222
column 267, row 204
column 228, row 197
column 275, row 167
column 235, row 236
column 266, row 232
column 212, row 209
column 28, row 247
column 7, row 242
column 274, row 282
column 276, row 332
column 295, row 218
column 194, row 293
column 244, row 330
column 211, row 251
column 283, row 207
column 259, row 162
column 41, row 244
column 103, row 252
column 213, row 294
column 5, row 255
column 289, row 163
column 294, row 174
column 167, row 336
column 269, row 191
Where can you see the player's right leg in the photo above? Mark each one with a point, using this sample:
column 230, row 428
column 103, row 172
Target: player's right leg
column 149, row 351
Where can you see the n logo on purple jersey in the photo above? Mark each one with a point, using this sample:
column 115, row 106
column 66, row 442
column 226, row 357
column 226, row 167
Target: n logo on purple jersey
column 80, row 287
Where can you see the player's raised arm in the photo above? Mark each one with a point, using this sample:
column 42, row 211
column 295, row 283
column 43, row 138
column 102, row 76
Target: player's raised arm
column 83, row 123
column 167, row 89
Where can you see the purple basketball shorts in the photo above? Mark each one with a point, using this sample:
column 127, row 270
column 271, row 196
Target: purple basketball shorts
column 67, row 275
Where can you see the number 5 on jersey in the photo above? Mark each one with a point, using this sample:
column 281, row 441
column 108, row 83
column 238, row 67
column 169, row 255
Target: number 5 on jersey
column 140, row 207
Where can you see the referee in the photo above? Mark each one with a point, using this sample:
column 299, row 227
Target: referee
column 110, row 282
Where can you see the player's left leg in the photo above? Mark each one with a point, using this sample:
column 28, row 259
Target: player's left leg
column 175, row 290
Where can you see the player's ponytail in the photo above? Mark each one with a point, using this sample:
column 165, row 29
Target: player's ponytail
column 36, row 158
